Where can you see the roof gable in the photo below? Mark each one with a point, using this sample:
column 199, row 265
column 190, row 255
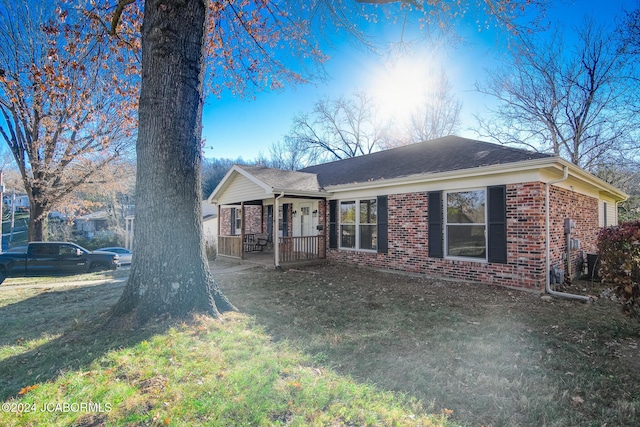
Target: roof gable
column 278, row 179
column 439, row 155
column 246, row 183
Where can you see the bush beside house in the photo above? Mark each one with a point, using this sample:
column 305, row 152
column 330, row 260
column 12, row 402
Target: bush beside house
column 619, row 248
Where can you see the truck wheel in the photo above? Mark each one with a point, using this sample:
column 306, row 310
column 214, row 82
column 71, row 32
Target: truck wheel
column 3, row 276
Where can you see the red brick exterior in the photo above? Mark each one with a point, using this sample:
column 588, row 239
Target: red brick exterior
column 252, row 220
column 584, row 211
column 408, row 235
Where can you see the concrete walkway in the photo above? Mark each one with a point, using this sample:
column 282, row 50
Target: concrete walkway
column 226, row 268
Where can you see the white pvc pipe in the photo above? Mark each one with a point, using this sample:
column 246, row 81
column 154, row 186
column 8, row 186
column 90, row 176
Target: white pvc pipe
column 548, row 248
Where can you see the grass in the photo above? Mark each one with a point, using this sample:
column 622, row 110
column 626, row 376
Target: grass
column 493, row 356
column 100, row 275
column 59, row 370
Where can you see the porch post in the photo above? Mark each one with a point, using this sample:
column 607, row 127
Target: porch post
column 276, row 234
column 242, row 230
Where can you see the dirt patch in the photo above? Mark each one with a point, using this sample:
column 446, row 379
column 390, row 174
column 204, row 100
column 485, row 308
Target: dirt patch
column 495, row 356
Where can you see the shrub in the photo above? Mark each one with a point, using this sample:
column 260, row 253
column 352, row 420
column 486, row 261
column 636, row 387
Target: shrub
column 100, row 240
column 619, row 249
column 211, row 249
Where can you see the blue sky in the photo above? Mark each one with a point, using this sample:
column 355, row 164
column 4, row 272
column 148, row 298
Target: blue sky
column 245, row 128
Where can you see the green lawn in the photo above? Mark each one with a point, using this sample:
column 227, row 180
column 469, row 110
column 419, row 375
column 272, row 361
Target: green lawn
column 59, row 370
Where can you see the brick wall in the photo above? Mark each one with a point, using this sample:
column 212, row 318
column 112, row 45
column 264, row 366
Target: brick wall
column 252, row 217
column 408, row 236
column 584, row 211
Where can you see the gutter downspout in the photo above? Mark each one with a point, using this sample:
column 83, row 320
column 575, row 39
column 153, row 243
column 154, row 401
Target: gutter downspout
column 276, row 236
column 547, row 247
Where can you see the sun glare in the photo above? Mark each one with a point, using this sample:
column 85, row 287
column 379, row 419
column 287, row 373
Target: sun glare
column 400, row 88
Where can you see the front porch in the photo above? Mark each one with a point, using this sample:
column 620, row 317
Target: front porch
column 269, row 213
column 291, row 250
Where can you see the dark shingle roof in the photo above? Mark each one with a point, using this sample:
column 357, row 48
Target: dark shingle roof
column 280, row 179
column 439, row 155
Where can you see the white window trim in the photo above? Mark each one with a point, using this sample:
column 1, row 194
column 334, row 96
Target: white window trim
column 357, row 225
column 445, row 229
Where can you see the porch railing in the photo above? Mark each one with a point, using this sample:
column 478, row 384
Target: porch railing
column 302, row 248
column 230, row 246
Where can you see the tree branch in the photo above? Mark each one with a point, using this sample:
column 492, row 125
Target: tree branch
column 117, row 14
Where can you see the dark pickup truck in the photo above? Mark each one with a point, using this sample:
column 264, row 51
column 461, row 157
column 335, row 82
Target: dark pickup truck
column 54, row 258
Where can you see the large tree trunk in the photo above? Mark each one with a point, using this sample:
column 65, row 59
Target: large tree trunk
column 38, row 213
column 169, row 274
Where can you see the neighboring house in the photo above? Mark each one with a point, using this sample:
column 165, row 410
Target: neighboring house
column 19, row 200
column 210, row 224
column 450, row 207
column 89, row 225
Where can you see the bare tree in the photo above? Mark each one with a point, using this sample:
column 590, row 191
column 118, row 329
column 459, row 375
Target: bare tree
column 339, row 128
column 67, row 106
column 570, row 101
column 292, row 154
column 630, row 31
column 213, row 170
column 437, row 116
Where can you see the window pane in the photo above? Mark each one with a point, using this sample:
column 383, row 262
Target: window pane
column 368, row 237
column 466, row 207
column 66, row 250
column 466, row 241
column 368, row 212
column 348, row 236
column 347, row 212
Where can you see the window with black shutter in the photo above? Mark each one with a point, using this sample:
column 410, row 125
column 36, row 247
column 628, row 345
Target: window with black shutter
column 285, row 219
column 435, row 224
column 497, row 222
column 383, row 219
column 232, row 224
column 333, row 224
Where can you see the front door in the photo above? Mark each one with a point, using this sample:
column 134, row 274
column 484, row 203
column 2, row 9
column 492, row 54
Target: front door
column 306, row 220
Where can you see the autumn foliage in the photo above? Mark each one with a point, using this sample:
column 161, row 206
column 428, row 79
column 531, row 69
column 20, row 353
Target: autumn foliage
column 68, row 97
column 619, row 249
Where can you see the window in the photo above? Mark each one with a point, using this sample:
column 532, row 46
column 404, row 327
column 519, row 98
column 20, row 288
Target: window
column 348, row 224
column 466, row 224
column 68, row 251
column 358, row 224
column 238, row 219
column 368, row 224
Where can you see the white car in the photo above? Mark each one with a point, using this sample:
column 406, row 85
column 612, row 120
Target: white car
column 125, row 254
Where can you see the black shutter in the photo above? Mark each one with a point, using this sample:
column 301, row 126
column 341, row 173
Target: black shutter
column 285, row 219
column 383, row 216
column 435, row 224
column 232, row 227
column 333, row 224
column 497, row 227
column 270, row 223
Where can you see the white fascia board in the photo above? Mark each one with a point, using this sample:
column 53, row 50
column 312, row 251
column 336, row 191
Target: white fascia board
column 603, row 187
column 221, row 185
column 250, row 177
column 300, row 193
column 213, row 198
